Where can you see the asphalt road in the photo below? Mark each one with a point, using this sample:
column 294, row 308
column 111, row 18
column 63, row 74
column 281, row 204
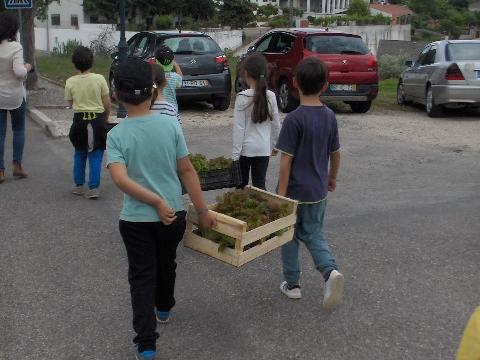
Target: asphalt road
column 403, row 224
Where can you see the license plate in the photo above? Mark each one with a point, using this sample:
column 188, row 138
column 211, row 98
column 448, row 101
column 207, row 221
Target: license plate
column 195, row 83
column 343, row 87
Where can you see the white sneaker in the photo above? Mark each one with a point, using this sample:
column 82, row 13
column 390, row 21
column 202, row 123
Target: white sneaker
column 294, row 293
column 333, row 290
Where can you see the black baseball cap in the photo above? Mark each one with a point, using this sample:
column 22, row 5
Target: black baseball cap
column 134, row 76
column 165, row 56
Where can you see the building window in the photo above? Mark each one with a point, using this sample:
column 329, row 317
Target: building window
column 55, row 19
column 74, row 21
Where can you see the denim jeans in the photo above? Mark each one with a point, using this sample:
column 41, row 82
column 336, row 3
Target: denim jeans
column 95, row 167
column 309, row 230
column 18, row 129
column 259, row 166
column 151, row 251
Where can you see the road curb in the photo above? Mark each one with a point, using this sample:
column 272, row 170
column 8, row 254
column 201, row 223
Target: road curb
column 44, row 121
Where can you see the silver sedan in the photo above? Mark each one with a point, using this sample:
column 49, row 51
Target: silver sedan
column 446, row 74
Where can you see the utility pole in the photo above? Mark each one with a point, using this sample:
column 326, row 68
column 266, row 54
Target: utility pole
column 290, row 13
column 122, row 52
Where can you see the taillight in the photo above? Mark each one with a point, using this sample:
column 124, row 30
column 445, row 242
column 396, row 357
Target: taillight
column 454, row 73
column 152, row 61
column 222, row 59
column 372, row 64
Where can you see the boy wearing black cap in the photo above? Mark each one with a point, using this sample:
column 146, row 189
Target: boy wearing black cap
column 146, row 159
column 173, row 74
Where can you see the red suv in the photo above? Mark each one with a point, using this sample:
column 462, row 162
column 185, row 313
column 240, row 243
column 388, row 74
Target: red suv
column 353, row 68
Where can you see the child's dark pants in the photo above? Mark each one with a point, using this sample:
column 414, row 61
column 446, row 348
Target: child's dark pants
column 151, row 250
column 258, row 165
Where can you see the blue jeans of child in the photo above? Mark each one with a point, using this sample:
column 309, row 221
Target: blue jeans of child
column 94, row 164
column 309, row 230
column 18, row 129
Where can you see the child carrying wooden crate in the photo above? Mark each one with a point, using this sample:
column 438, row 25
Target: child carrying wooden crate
column 308, row 141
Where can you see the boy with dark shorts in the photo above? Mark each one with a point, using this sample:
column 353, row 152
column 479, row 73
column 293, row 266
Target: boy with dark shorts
column 88, row 96
column 147, row 158
column 308, row 141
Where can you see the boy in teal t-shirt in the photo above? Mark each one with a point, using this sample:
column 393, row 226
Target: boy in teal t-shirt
column 147, row 158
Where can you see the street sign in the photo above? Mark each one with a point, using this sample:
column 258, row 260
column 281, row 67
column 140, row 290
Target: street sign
column 18, row 4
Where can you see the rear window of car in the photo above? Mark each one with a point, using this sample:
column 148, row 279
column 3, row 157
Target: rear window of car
column 463, row 51
column 192, row 45
column 336, row 44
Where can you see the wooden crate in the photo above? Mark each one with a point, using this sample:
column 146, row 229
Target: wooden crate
column 238, row 230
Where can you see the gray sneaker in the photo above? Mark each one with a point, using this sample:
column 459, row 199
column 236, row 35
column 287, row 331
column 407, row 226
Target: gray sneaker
column 333, row 290
column 93, row 194
column 78, row 190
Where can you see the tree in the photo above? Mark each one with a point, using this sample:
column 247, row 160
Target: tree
column 358, row 7
column 267, row 10
column 237, row 13
column 39, row 10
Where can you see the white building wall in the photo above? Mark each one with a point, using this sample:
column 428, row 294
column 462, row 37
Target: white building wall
column 65, row 8
column 372, row 34
column 89, row 32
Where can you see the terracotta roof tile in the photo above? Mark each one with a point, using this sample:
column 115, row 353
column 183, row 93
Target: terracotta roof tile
column 394, row 10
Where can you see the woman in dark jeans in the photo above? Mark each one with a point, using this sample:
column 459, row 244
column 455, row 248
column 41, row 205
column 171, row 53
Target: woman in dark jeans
column 13, row 72
column 256, row 122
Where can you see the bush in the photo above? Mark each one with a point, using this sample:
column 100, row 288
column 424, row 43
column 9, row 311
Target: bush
column 66, row 49
column 390, row 66
column 104, row 44
column 163, row 22
column 278, row 22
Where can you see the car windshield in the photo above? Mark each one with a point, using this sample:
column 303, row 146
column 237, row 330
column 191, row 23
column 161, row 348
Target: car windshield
column 336, row 44
column 192, row 45
column 463, row 51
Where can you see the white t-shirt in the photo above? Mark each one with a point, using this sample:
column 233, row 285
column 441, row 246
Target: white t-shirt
column 254, row 139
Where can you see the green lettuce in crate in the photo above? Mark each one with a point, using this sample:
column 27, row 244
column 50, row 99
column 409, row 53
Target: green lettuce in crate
column 252, row 209
column 202, row 164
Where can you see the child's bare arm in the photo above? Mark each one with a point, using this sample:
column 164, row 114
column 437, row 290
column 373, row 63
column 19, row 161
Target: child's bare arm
column 120, row 177
column 107, row 106
column 190, row 180
column 333, row 172
column 285, row 168
column 177, row 68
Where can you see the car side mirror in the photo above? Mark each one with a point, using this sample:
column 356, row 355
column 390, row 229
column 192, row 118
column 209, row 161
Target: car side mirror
column 250, row 49
column 409, row 63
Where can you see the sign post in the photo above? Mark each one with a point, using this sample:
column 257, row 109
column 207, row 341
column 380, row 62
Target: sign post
column 19, row 5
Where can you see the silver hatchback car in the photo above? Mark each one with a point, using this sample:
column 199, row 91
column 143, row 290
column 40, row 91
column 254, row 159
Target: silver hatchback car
column 446, row 74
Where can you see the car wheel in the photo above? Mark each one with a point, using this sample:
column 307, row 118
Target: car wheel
column 401, row 99
column 286, row 101
column 433, row 110
column 360, row 107
column 240, row 85
column 221, row 104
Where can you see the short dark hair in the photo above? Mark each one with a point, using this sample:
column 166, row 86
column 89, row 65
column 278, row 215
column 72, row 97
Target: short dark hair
column 82, row 58
column 8, row 26
column 133, row 81
column 311, row 75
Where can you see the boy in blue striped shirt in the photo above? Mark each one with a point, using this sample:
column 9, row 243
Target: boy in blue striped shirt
column 173, row 74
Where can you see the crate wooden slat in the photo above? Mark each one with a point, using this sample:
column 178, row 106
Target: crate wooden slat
column 237, row 229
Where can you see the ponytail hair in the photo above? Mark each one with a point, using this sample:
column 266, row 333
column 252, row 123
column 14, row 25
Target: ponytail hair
column 255, row 66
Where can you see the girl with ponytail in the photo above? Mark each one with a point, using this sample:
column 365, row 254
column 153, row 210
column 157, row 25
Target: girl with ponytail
column 256, row 122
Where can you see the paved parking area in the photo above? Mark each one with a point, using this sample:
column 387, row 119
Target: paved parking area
column 403, row 224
